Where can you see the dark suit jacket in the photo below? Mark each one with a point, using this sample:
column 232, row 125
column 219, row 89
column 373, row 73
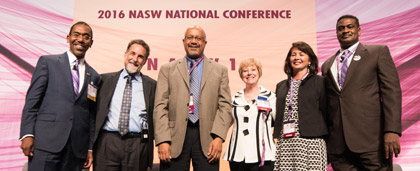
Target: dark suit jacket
column 369, row 103
column 312, row 106
column 52, row 114
column 108, row 84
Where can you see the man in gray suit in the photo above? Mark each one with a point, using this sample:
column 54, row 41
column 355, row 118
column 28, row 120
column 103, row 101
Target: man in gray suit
column 192, row 108
column 115, row 149
column 58, row 119
column 364, row 102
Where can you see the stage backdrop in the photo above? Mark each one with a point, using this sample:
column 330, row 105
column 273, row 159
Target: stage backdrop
column 235, row 30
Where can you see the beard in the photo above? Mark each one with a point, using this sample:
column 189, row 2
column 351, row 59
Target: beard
column 132, row 70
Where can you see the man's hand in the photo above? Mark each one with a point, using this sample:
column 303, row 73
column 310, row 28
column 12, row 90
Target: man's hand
column 215, row 150
column 27, row 146
column 392, row 144
column 89, row 160
column 164, row 151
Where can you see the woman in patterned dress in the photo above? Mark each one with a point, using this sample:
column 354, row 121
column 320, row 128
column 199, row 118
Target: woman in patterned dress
column 251, row 146
column 300, row 126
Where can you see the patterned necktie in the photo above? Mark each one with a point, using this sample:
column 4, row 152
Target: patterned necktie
column 75, row 77
column 125, row 108
column 194, row 90
column 346, row 54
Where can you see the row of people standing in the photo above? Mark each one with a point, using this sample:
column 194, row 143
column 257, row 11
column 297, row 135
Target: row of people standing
column 350, row 116
column 298, row 114
column 188, row 111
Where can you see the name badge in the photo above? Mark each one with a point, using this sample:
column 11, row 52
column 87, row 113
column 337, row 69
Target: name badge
column 289, row 129
column 144, row 135
column 263, row 103
column 191, row 105
column 92, row 90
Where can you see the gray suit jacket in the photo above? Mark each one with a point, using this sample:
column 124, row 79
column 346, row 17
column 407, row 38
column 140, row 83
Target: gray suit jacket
column 368, row 105
column 52, row 114
column 172, row 98
column 108, row 84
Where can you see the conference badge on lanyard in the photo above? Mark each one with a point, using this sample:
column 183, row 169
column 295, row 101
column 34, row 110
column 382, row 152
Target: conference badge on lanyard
column 92, row 90
column 263, row 104
column 289, row 129
column 191, row 105
column 144, row 127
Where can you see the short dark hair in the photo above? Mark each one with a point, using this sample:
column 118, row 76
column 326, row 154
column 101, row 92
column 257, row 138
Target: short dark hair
column 83, row 23
column 142, row 43
column 305, row 48
column 349, row 16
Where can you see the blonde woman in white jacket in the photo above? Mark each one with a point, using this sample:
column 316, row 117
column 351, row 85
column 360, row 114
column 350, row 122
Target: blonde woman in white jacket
column 251, row 146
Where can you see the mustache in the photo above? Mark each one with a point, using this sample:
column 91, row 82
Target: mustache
column 134, row 63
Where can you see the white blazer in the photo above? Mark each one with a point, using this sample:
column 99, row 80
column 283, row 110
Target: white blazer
column 249, row 148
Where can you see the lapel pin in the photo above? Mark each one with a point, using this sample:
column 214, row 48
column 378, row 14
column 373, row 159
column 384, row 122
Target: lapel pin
column 356, row 58
column 88, row 74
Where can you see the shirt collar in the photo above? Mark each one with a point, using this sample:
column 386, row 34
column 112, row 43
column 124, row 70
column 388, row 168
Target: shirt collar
column 72, row 58
column 190, row 59
column 136, row 77
column 352, row 48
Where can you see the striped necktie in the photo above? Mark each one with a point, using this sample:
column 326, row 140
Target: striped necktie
column 75, row 77
column 194, row 90
column 344, row 57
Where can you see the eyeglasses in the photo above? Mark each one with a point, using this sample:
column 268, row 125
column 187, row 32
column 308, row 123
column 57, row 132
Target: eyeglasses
column 190, row 38
column 84, row 36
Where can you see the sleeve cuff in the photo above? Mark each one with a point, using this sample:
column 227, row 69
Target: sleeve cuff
column 27, row 135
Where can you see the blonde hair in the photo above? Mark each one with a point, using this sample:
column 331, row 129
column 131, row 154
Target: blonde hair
column 249, row 62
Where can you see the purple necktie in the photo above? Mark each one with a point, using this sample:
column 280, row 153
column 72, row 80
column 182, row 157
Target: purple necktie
column 75, row 77
column 125, row 108
column 346, row 54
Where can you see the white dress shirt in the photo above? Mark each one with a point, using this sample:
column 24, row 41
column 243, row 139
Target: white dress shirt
column 334, row 68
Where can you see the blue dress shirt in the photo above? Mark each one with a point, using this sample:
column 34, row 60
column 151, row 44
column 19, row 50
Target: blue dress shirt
column 138, row 114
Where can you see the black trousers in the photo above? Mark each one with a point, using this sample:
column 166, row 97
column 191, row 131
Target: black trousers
column 191, row 150
column 116, row 153
column 62, row 161
column 350, row 161
column 242, row 166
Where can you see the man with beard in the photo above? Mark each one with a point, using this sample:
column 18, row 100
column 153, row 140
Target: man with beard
column 124, row 121
column 364, row 102
column 192, row 109
column 58, row 119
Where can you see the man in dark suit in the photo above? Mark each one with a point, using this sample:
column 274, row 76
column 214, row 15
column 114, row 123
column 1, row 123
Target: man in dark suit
column 193, row 108
column 58, row 118
column 126, row 97
column 364, row 108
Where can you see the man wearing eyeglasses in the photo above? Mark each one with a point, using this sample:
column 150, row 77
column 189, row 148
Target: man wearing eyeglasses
column 192, row 108
column 58, row 118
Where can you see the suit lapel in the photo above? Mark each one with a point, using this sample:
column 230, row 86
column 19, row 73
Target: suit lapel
column 88, row 71
column 328, row 72
column 182, row 68
column 146, row 91
column 109, row 90
column 360, row 51
column 63, row 61
column 207, row 67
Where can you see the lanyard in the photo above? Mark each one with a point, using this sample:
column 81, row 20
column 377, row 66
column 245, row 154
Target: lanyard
column 291, row 95
column 195, row 65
